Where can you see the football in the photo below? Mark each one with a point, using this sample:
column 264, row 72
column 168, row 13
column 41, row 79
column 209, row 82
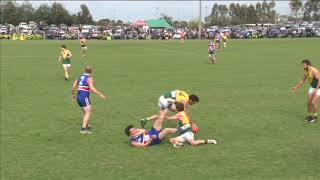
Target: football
column 194, row 128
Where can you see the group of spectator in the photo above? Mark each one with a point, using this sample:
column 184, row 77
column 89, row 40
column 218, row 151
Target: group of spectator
column 33, row 30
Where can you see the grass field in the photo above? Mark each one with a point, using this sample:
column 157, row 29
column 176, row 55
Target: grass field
column 245, row 104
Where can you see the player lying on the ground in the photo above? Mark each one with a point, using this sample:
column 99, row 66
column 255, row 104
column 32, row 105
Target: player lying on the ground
column 184, row 129
column 144, row 138
column 167, row 102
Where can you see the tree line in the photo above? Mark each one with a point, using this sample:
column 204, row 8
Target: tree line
column 261, row 12
column 14, row 13
column 222, row 15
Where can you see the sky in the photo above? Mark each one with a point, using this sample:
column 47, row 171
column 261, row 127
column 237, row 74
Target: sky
column 134, row 10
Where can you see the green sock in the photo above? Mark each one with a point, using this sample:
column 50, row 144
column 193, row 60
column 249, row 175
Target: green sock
column 315, row 114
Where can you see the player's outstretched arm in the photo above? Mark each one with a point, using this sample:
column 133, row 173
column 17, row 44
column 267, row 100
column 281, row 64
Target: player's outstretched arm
column 59, row 59
column 174, row 117
column 94, row 90
column 74, row 87
column 294, row 89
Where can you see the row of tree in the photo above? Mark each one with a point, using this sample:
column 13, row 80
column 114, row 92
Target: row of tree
column 14, row 13
column 222, row 15
column 308, row 11
column 261, row 12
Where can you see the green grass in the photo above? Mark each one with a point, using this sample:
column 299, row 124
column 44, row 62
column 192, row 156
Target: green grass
column 245, row 104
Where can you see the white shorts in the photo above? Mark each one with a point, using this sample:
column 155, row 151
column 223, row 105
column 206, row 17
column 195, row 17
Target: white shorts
column 163, row 103
column 66, row 65
column 311, row 90
column 84, row 48
column 187, row 136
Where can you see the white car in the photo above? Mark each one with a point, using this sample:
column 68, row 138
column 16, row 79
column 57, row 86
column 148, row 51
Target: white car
column 23, row 25
column 3, row 30
column 176, row 36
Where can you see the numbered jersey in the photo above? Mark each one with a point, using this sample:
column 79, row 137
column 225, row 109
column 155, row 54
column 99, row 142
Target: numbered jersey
column 83, row 86
column 177, row 95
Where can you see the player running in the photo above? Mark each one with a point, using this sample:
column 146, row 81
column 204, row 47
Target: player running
column 84, row 84
column 211, row 51
column 224, row 40
column 167, row 102
column 184, row 129
column 218, row 40
column 65, row 55
column 83, row 44
column 313, row 76
column 144, row 138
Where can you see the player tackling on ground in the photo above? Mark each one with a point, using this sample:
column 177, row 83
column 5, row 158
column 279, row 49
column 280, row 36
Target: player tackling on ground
column 184, row 129
column 144, row 138
column 313, row 76
column 84, row 84
column 167, row 102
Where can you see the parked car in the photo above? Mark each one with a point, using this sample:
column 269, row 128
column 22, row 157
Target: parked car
column 33, row 25
column 176, row 36
column 274, row 33
column 62, row 35
column 118, row 34
column 96, row 35
column 131, row 35
column 3, row 29
column 22, row 25
column 63, row 27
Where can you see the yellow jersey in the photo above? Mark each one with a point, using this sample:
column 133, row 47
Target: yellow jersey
column 83, row 42
column 183, row 124
column 182, row 96
column 224, row 38
column 312, row 80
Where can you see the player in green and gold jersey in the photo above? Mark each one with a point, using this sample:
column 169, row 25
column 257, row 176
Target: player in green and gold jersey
column 311, row 74
column 167, row 102
column 65, row 55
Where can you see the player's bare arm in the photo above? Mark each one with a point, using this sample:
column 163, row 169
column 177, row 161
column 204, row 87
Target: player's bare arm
column 174, row 117
column 59, row 59
column 94, row 90
column 74, row 87
column 294, row 89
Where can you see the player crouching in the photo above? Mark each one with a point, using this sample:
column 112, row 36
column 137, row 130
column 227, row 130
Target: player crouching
column 185, row 130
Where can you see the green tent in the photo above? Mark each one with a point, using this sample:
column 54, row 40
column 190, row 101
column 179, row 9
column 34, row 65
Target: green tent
column 159, row 23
